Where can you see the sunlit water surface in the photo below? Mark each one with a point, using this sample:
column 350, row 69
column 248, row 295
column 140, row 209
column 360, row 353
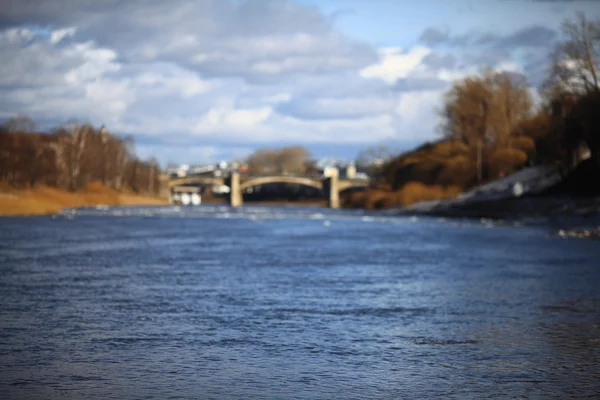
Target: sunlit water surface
column 293, row 303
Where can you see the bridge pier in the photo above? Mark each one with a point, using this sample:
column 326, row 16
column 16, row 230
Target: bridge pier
column 331, row 188
column 235, row 192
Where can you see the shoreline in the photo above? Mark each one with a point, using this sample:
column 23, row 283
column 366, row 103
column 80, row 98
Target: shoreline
column 292, row 203
column 529, row 207
column 572, row 211
column 570, row 216
column 46, row 200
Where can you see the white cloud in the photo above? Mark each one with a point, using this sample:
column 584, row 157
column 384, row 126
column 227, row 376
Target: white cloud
column 394, row 63
column 220, row 120
column 205, row 77
column 58, row 35
column 416, row 112
column 255, row 39
column 457, row 74
column 192, row 154
column 17, row 36
column 96, row 62
column 412, row 105
column 27, row 62
column 346, row 107
column 277, row 98
column 174, row 81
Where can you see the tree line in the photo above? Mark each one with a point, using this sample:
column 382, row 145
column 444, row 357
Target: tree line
column 491, row 126
column 71, row 156
column 290, row 160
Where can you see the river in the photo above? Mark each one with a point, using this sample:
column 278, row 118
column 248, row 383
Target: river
column 293, row 303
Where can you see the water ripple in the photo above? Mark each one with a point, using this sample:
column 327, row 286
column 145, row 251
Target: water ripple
column 274, row 303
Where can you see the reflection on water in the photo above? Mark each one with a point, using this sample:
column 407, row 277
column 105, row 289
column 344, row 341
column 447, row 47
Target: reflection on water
column 261, row 302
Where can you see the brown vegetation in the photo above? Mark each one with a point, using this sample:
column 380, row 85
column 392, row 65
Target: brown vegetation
column 44, row 199
column 73, row 165
column 70, row 157
column 491, row 130
column 412, row 192
column 285, row 160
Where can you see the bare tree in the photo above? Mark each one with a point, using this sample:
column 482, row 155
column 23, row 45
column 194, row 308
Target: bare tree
column 71, row 156
column 483, row 111
column 80, row 136
column 293, row 160
column 286, row 160
column 374, row 155
column 576, row 60
column 21, row 123
column 511, row 104
column 372, row 160
column 262, row 161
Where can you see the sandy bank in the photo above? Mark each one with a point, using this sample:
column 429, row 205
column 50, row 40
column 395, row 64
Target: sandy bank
column 49, row 200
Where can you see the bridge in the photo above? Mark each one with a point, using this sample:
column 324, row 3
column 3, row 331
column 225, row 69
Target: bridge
column 331, row 185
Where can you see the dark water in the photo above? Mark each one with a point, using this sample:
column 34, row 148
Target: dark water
column 277, row 303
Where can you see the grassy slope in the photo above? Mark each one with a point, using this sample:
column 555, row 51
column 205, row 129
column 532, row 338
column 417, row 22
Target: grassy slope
column 48, row 200
column 434, row 171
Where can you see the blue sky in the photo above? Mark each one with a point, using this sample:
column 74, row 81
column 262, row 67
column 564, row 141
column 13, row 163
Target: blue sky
column 205, row 80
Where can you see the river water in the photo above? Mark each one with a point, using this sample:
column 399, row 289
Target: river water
column 293, row 303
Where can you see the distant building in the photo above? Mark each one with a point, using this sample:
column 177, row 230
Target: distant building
column 350, row 171
column 346, row 169
column 330, row 171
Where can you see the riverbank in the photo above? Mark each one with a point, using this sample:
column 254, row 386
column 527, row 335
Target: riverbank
column 530, row 207
column 534, row 192
column 570, row 202
column 43, row 199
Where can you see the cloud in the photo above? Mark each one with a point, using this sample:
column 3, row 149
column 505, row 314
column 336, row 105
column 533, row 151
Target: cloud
column 351, row 108
column 433, row 36
column 420, row 84
column 534, row 36
column 24, row 58
column 40, row 76
column 524, row 50
column 220, row 119
column 56, row 80
column 531, row 36
column 200, row 79
column 191, row 154
column 395, row 63
column 58, row 35
column 440, row 60
column 415, row 110
column 95, row 62
column 257, row 40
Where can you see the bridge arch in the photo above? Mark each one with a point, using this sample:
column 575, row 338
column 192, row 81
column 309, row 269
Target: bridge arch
column 282, row 179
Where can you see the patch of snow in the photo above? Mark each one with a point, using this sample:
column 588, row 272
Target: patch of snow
column 527, row 181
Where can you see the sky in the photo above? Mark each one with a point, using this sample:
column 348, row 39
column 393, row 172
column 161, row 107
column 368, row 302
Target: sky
column 198, row 81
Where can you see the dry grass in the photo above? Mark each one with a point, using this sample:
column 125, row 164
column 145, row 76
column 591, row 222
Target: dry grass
column 412, row 192
column 506, row 161
column 443, row 163
column 49, row 200
column 437, row 152
column 523, row 143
